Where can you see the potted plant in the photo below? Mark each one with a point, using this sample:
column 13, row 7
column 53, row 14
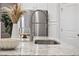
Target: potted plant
column 7, row 23
column 14, row 12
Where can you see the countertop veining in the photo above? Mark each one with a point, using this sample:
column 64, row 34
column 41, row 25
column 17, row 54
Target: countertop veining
column 30, row 48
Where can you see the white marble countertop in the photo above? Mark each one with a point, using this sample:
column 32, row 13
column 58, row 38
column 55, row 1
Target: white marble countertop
column 29, row 48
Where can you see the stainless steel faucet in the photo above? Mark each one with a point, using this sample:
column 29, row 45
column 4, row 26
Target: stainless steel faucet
column 31, row 33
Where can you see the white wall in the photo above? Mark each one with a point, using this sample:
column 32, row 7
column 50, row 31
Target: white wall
column 34, row 6
column 53, row 20
column 5, row 4
column 52, row 13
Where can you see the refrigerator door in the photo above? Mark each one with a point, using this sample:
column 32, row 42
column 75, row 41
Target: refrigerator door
column 39, row 30
column 40, row 17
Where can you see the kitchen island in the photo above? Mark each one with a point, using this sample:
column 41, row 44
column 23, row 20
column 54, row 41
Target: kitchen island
column 28, row 48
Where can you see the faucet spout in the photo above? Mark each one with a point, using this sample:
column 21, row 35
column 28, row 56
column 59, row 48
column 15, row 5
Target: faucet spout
column 32, row 33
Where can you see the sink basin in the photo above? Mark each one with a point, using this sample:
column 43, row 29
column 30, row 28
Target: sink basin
column 53, row 42
column 6, row 43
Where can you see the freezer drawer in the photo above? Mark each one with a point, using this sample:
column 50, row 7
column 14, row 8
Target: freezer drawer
column 39, row 30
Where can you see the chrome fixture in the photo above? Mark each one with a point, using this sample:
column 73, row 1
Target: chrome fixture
column 39, row 23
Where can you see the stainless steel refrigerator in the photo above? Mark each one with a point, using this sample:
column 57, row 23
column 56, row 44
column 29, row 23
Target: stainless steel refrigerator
column 40, row 23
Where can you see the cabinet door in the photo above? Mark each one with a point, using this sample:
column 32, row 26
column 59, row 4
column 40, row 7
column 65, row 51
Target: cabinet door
column 69, row 24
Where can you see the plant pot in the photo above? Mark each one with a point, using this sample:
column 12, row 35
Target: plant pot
column 15, row 31
column 8, row 44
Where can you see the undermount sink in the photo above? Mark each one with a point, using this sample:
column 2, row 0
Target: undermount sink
column 53, row 42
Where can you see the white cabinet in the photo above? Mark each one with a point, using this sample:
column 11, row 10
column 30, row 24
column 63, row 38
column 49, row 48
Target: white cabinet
column 69, row 24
